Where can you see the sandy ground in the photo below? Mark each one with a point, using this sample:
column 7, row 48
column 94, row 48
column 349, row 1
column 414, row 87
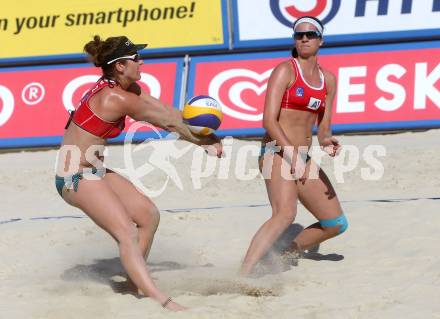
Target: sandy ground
column 55, row 263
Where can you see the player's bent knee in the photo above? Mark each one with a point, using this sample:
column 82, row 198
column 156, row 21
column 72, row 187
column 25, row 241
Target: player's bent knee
column 340, row 221
column 283, row 218
column 127, row 233
column 147, row 214
column 153, row 216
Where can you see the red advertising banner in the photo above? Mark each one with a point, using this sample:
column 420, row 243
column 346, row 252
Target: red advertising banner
column 34, row 102
column 388, row 87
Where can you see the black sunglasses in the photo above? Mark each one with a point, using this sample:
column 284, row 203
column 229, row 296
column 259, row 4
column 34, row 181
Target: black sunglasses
column 309, row 34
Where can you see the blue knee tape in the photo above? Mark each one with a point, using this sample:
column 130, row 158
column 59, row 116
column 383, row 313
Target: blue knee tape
column 338, row 221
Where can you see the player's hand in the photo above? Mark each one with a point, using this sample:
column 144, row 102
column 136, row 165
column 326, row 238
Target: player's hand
column 298, row 164
column 212, row 145
column 330, row 145
column 298, row 168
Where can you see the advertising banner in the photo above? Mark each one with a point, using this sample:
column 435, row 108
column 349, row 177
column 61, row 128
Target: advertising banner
column 379, row 87
column 50, row 29
column 34, row 102
column 269, row 23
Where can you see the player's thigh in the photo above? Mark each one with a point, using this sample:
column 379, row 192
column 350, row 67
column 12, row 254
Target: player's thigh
column 140, row 208
column 282, row 190
column 318, row 195
column 103, row 206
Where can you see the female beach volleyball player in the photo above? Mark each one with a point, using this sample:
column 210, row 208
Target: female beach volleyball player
column 299, row 94
column 109, row 199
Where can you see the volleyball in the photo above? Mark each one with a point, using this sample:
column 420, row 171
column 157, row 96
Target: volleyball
column 202, row 114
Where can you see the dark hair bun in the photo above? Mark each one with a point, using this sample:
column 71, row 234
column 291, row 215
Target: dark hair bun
column 93, row 49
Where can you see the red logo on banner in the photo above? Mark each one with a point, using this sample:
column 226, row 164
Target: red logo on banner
column 315, row 11
column 286, row 12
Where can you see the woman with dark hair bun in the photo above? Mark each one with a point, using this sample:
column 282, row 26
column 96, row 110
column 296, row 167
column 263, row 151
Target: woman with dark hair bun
column 109, row 199
column 299, row 94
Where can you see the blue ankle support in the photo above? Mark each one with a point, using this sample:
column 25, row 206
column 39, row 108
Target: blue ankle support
column 340, row 221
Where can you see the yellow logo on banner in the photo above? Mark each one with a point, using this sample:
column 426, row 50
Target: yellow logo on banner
column 50, row 27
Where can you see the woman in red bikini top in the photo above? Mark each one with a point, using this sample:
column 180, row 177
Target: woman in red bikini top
column 299, row 95
column 108, row 198
column 89, row 121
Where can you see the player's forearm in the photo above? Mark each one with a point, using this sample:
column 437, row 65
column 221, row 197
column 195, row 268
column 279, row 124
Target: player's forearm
column 184, row 132
column 174, row 123
column 324, row 131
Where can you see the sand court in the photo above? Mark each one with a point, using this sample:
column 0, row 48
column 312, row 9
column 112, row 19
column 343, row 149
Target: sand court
column 55, row 263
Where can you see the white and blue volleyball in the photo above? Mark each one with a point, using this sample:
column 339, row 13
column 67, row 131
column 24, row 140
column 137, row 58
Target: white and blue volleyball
column 202, row 114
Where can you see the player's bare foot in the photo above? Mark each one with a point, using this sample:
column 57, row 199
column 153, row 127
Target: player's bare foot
column 173, row 306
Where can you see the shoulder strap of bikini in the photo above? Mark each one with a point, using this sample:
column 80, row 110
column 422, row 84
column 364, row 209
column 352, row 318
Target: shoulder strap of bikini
column 69, row 120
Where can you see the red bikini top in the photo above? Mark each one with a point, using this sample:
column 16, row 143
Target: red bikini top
column 86, row 119
column 302, row 96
